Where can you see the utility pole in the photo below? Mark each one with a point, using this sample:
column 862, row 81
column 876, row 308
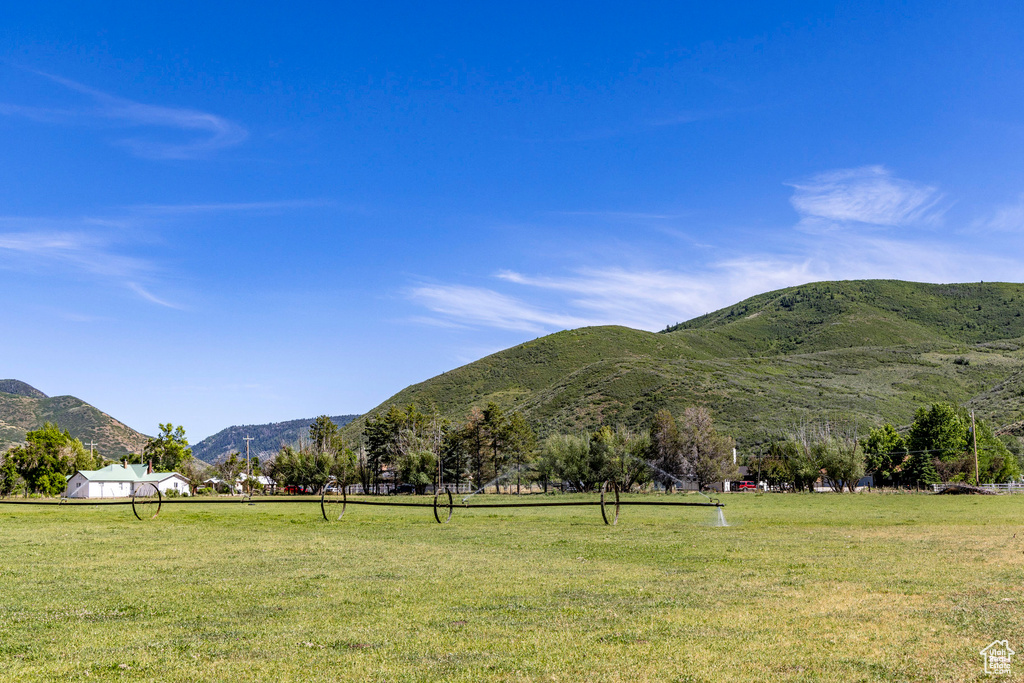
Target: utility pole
column 248, row 469
column 974, row 435
column 760, row 455
column 435, row 429
column 91, row 445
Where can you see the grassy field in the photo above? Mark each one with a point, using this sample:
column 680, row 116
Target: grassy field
column 800, row 588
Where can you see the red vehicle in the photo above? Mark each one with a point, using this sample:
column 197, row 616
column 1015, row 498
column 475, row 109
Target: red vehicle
column 746, row 486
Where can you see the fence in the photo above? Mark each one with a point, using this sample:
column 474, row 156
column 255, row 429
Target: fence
column 1010, row 487
column 386, row 488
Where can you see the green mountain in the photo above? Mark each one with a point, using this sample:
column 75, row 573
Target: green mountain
column 18, row 388
column 862, row 351
column 267, row 439
column 24, row 408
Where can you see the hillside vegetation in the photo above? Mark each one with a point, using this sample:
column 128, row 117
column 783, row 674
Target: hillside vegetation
column 19, row 388
column 24, row 408
column 864, row 351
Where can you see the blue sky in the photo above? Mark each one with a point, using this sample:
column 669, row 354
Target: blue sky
column 228, row 213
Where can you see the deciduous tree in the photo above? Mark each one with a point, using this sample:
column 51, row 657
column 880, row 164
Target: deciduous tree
column 942, row 448
column 169, row 449
column 710, row 453
column 47, row 458
column 666, row 454
column 885, row 451
column 8, row 476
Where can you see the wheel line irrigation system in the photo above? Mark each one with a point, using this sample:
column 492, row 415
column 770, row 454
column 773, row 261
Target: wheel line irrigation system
column 147, row 502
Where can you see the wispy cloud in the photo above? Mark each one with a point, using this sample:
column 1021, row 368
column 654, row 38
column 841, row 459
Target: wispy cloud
column 81, row 251
column 642, row 299
column 868, row 195
column 622, row 215
column 485, row 307
column 636, row 298
column 76, row 317
column 77, row 252
column 104, row 246
column 226, row 207
column 1008, row 218
column 204, row 132
column 152, row 298
column 651, row 298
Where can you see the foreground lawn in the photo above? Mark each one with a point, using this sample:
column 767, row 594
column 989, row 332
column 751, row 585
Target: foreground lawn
column 801, row 588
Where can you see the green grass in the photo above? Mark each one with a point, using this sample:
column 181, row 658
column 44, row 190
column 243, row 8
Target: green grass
column 803, row 588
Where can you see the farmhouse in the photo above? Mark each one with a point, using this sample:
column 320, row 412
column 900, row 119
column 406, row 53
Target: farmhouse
column 221, row 485
column 120, row 481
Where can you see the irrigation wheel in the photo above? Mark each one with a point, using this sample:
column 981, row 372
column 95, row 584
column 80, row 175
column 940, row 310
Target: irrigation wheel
column 450, row 506
column 604, row 512
column 332, row 504
column 146, row 502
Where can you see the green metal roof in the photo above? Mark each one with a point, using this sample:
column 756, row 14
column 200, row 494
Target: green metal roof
column 133, row 473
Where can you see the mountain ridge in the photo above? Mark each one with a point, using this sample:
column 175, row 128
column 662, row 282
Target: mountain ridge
column 862, row 351
column 29, row 410
column 267, row 438
column 19, row 388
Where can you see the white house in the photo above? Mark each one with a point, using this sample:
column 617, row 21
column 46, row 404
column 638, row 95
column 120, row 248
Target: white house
column 266, row 482
column 121, row 481
column 218, row 484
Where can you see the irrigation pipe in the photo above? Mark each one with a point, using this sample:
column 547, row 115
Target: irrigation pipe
column 331, row 504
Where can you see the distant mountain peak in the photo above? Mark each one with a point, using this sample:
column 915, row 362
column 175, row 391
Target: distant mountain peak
column 24, row 408
column 267, row 439
column 19, row 388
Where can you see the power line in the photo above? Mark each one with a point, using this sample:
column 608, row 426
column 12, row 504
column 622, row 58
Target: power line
column 927, row 450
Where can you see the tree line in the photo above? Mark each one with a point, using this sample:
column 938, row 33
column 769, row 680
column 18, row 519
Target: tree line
column 496, row 447
column 939, row 446
column 42, row 464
